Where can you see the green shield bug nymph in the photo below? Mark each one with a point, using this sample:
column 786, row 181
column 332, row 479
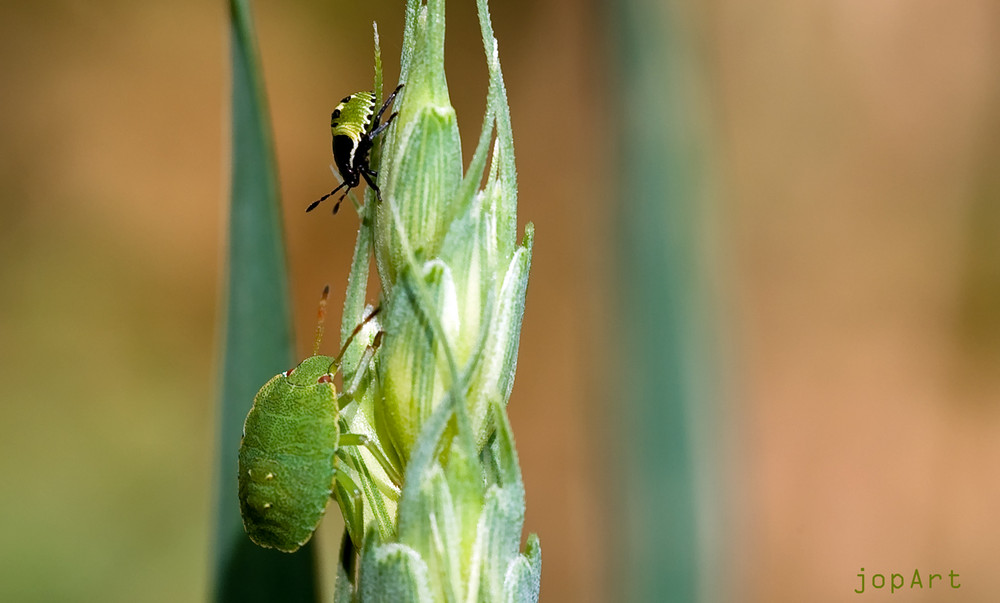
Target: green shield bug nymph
column 354, row 132
column 291, row 447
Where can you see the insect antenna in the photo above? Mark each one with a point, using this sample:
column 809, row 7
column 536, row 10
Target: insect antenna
column 354, row 333
column 336, row 206
column 313, row 205
column 320, row 319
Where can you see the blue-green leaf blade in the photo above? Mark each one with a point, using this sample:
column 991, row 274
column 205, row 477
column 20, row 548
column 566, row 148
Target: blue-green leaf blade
column 257, row 331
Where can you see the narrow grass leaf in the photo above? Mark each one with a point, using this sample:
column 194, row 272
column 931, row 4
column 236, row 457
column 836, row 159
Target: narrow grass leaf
column 258, row 331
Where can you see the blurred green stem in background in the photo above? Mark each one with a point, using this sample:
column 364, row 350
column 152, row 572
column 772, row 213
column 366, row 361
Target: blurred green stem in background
column 666, row 365
column 257, row 334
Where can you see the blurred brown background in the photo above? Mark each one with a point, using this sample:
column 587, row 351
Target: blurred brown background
column 854, row 159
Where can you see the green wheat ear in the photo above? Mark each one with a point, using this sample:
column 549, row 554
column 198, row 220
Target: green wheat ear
column 453, row 277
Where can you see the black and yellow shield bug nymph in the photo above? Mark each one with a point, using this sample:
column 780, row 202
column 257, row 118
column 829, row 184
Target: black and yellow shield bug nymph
column 354, row 132
column 292, row 452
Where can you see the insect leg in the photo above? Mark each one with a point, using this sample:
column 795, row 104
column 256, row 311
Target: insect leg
column 371, row 184
column 359, row 439
column 357, row 503
column 362, row 369
column 366, row 172
column 313, row 205
column 381, row 127
column 388, row 101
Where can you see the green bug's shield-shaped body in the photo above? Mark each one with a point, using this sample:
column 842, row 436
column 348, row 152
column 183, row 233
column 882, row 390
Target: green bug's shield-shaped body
column 355, row 124
column 349, row 123
column 286, row 461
